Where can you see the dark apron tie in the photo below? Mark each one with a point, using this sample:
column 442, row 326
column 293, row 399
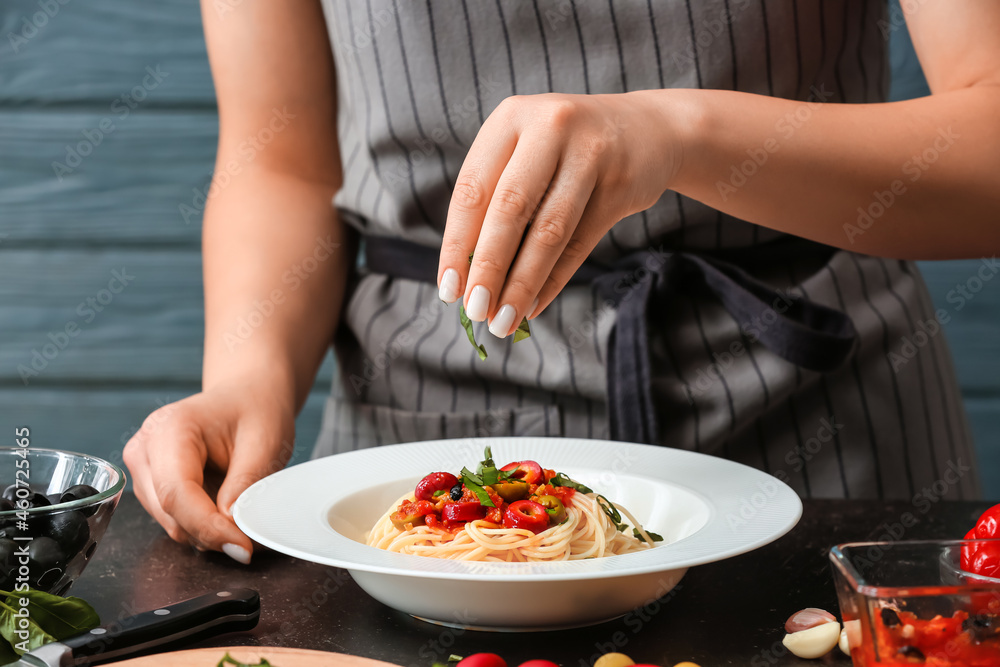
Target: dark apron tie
column 800, row 331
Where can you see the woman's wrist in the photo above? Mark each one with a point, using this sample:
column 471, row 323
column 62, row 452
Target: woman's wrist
column 260, row 367
column 678, row 132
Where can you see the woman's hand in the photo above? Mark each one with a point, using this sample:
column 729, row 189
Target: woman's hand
column 572, row 166
column 192, row 459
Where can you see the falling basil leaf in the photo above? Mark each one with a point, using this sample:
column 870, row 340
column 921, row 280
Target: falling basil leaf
column 523, row 331
column 467, row 323
column 562, row 480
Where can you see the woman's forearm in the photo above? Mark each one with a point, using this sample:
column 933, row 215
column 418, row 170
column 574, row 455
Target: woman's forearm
column 275, row 263
column 915, row 180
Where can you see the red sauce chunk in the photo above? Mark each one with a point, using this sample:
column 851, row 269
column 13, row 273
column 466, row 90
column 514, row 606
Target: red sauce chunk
column 956, row 640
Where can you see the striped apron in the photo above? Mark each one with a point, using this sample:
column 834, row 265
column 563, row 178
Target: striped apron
column 417, row 78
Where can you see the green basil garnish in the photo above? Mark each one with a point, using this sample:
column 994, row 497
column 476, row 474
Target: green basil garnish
column 474, row 483
column 523, row 331
column 653, row 536
column 562, row 480
column 467, row 323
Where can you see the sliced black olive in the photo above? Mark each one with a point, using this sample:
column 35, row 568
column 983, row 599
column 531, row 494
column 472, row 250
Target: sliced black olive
column 456, row 492
column 70, row 530
column 889, row 617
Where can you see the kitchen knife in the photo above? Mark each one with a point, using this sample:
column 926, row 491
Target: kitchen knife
column 188, row 621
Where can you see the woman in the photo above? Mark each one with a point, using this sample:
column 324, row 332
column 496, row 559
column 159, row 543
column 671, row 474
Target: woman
column 707, row 159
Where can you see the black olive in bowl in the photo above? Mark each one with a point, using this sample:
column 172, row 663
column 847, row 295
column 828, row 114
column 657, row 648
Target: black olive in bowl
column 57, row 512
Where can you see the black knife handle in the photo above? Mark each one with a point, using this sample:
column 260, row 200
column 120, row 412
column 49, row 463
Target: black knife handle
column 204, row 616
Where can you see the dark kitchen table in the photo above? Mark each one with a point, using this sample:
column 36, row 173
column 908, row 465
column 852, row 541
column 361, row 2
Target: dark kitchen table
column 727, row 613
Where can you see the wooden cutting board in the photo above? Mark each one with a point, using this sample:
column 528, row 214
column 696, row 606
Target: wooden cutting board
column 277, row 656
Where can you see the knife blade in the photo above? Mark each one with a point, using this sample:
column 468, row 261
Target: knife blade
column 198, row 618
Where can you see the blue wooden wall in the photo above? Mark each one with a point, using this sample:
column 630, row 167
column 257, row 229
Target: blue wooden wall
column 107, row 131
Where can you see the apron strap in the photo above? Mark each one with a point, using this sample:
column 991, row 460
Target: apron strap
column 800, row 331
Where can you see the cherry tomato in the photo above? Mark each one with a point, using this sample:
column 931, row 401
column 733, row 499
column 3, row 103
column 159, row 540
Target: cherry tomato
column 482, row 660
column 463, row 512
column 986, row 560
column 529, row 471
column 538, row 663
column 436, row 481
column 968, row 551
column 988, row 524
column 526, row 515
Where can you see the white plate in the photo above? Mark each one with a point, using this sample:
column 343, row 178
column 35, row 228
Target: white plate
column 706, row 508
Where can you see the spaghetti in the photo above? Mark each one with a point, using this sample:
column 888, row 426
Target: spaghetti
column 519, row 513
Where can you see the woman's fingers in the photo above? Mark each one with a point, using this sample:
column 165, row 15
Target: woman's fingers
column 470, row 200
column 178, row 462
column 547, row 240
column 142, row 486
column 597, row 217
column 521, row 188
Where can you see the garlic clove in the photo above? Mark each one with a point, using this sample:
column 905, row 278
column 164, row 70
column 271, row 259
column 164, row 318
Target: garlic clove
column 814, row 642
column 850, row 636
column 808, row 618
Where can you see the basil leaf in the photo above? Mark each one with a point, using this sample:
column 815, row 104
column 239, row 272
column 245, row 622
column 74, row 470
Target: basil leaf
column 474, row 483
column 11, row 624
column 454, row 658
column 490, row 476
column 505, row 474
column 523, row 331
column 487, row 469
column 60, row 617
column 610, row 510
column 470, row 476
column 467, row 323
column 653, row 536
column 230, row 660
column 562, row 480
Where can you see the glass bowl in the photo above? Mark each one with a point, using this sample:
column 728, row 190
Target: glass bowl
column 48, row 547
column 909, row 602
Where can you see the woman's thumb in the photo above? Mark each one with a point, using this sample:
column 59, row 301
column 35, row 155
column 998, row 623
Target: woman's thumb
column 250, row 462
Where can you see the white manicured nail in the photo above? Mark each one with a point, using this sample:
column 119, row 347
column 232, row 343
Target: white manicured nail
column 448, row 292
column 531, row 311
column 479, row 304
column 237, row 553
column 503, row 321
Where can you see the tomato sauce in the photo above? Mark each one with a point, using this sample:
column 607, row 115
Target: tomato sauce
column 958, row 640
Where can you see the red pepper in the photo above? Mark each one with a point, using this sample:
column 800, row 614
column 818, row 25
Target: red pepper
column 526, row 515
column 457, row 512
column 529, row 471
